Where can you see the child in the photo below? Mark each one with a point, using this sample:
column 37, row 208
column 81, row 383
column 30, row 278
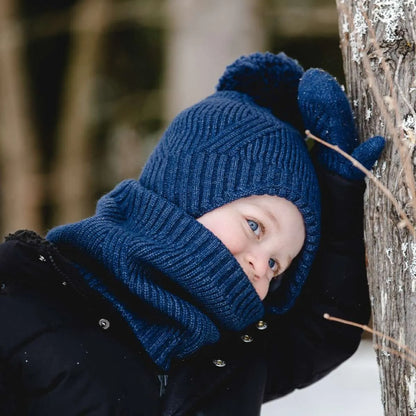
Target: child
column 178, row 296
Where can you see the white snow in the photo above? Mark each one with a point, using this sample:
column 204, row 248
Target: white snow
column 352, row 389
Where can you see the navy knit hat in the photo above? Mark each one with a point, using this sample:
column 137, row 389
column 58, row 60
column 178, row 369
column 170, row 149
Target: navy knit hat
column 231, row 145
column 238, row 142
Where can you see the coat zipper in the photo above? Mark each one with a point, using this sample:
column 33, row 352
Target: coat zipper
column 163, row 380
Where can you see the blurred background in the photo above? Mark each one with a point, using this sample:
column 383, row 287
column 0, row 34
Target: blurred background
column 87, row 86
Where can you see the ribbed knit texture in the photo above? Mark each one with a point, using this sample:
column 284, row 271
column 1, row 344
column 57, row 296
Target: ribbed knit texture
column 228, row 147
column 135, row 230
column 235, row 143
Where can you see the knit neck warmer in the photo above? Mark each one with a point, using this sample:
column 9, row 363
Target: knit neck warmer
column 142, row 239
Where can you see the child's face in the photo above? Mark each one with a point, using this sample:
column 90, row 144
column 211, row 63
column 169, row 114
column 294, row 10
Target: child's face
column 263, row 232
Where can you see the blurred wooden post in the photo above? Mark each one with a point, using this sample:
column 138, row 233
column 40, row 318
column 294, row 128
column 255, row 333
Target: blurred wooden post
column 21, row 193
column 204, row 37
column 378, row 45
column 72, row 193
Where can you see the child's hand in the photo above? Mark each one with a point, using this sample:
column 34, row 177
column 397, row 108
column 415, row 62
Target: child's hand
column 326, row 112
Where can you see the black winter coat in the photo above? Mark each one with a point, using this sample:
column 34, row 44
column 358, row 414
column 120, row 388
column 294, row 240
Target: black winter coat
column 65, row 351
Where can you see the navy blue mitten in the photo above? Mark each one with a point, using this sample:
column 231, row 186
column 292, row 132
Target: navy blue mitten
column 327, row 113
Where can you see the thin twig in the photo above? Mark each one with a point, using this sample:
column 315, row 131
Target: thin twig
column 381, row 104
column 395, row 352
column 366, row 328
column 371, row 176
column 396, row 132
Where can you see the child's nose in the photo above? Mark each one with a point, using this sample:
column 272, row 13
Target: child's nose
column 259, row 264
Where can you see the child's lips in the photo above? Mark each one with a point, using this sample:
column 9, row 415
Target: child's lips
column 255, row 279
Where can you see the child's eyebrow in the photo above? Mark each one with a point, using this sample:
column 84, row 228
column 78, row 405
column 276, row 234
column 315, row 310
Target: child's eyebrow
column 271, row 217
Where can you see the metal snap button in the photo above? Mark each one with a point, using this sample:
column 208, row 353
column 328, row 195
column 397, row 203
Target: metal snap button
column 2, row 286
column 104, row 323
column 219, row 363
column 41, row 258
column 261, row 325
column 247, row 338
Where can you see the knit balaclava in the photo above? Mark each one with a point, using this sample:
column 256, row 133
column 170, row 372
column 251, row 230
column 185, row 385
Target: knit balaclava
column 235, row 143
column 239, row 142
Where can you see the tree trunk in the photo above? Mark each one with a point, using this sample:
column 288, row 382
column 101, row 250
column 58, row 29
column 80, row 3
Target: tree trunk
column 205, row 37
column 21, row 193
column 378, row 45
column 72, row 190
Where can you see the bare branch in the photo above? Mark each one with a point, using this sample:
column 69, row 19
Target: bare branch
column 392, row 351
column 408, row 355
column 366, row 328
column 371, row 176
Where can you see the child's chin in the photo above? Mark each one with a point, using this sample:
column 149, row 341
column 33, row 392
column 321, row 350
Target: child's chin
column 260, row 294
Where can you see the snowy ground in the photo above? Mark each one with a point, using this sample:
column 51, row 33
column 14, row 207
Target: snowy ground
column 350, row 390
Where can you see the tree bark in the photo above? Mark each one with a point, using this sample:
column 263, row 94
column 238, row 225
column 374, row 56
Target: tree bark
column 21, row 193
column 378, row 45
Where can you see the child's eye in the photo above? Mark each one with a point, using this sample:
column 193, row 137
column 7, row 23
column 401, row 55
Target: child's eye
column 274, row 265
column 254, row 226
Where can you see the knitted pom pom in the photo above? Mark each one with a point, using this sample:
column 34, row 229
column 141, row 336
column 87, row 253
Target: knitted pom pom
column 271, row 80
